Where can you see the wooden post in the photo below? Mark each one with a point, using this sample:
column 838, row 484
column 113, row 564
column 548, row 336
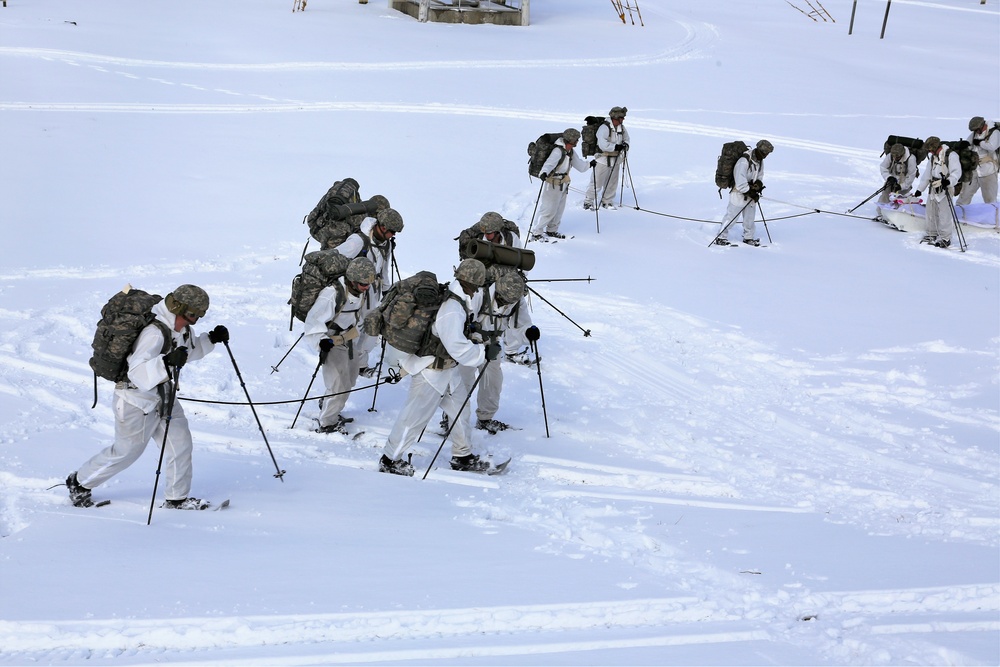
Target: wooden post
column 422, row 13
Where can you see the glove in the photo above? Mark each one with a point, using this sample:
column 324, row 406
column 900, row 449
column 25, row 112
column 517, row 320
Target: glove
column 916, row 193
column 532, row 333
column 219, row 334
column 543, row 175
column 625, row 146
column 619, row 147
column 976, row 141
column 945, row 182
column 891, row 184
column 492, row 351
column 176, row 357
column 593, row 163
column 325, row 345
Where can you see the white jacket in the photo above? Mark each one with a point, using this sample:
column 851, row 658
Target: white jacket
column 146, row 370
column 745, row 170
column 987, row 149
column 937, row 169
column 558, row 165
column 904, row 171
column 608, row 136
column 509, row 321
column 354, row 245
column 324, row 319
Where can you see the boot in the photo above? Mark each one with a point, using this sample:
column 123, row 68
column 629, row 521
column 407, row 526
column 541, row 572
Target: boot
column 397, row 467
column 78, row 495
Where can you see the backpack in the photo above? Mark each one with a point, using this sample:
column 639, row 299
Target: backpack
column 405, row 315
column 539, row 151
column 915, row 146
column 320, row 269
column 967, row 157
column 588, row 134
column 509, row 231
column 329, row 230
column 123, row 317
column 731, row 152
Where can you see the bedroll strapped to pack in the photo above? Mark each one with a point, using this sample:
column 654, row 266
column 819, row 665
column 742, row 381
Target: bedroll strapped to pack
column 326, row 221
column 539, row 151
column 123, row 317
column 320, row 269
column 494, row 254
column 405, row 315
column 915, row 146
column 731, row 152
column 509, row 231
column 588, row 134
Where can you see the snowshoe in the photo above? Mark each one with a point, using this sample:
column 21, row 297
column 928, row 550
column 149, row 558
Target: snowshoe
column 494, row 426
column 186, row 504
column 520, row 357
column 367, row 372
column 444, row 424
column 588, row 206
column 555, row 235
column 721, row 241
column 78, row 495
column 339, row 427
column 753, row 242
column 942, row 243
column 397, row 467
column 469, row 463
column 609, row 207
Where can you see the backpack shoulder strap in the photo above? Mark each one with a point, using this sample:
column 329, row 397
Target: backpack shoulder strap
column 168, row 338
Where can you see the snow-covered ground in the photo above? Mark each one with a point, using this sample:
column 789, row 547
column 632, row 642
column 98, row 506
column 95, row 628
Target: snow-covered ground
column 786, row 455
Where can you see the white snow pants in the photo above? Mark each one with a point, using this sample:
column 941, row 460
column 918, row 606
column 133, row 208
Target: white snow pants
column 737, row 201
column 550, row 208
column 422, row 401
column 489, row 387
column 133, row 431
column 607, row 181
column 340, row 374
column 989, row 185
column 939, row 219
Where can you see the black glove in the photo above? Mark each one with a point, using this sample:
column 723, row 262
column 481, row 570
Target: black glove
column 325, row 345
column 976, row 141
column 916, row 193
column 543, row 176
column 891, row 184
column 619, row 147
column 945, row 182
column 492, row 351
column 593, row 163
column 532, row 333
column 219, row 334
column 176, row 357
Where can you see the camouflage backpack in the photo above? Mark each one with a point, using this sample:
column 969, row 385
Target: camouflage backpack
column 405, row 315
column 331, row 230
column 588, row 134
column 509, row 231
column 967, row 157
column 731, row 152
column 539, row 151
column 123, row 317
column 320, row 270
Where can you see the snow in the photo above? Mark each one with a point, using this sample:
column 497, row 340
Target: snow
column 785, row 455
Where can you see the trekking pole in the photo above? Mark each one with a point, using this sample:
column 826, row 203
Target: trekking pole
column 586, row 332
column 631, row 184
column 597, row 204
column 726, row 227
column 532, row 223
column 166, row 430
column 455, row 421
column 303, row 401
column 541, row 390
column 958, row 228
column 867, row 199
column 278, row 472
column 274, row 369
column 378, row 376
column 588, row 279
column 392, row 258
column 762, row 219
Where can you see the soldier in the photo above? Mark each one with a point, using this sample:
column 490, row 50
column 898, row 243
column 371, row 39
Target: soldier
column 435, row 381
column 612, row 145
column 985, row 140
column 555, row 189
column 941, row 175
column 748, row 175
column 332, row 326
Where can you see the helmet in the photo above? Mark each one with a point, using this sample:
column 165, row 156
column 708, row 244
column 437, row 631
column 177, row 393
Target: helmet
column 490, row 222
column 571, row 135
column 378, row 203
column 932, row 143
column 765, row 147
column 509, row 286
column 618, row 112
column 471, row 271
column 188, row 300
column 897, row 151
column 390, row 219
column 360, row 270
column 976, row 123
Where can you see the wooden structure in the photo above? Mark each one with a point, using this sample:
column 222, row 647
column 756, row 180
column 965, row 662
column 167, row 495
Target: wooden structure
column 497, row 12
